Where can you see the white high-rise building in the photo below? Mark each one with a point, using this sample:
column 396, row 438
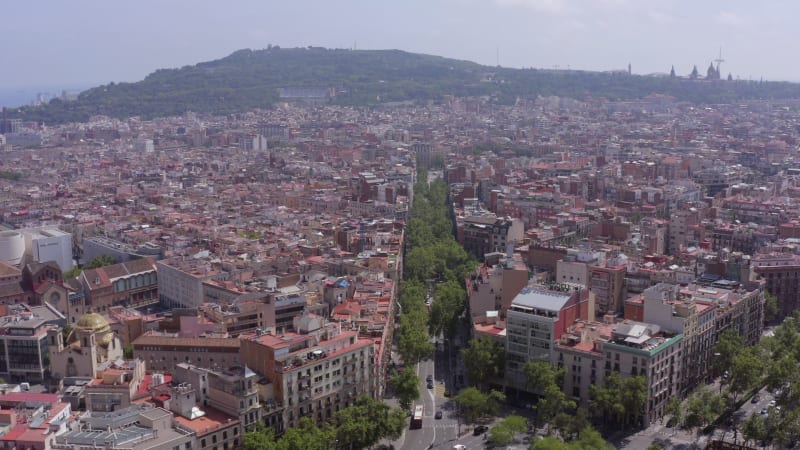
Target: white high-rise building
column 144, row 145
column 49, row 244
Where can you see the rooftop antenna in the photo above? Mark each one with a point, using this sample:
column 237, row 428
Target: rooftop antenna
column 719, row 60
column 497, row 49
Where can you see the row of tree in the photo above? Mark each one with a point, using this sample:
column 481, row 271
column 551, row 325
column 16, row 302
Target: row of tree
column 773, row 363
column 433, row 258
column 356, row 427
column 565, row 425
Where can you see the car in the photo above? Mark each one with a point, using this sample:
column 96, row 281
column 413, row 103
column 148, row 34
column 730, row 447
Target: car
column 756, row 398
column 429, row 378
column 438, row 415
column 764, row 411
column 430, row 384
column 480, row 429
column 772, row 402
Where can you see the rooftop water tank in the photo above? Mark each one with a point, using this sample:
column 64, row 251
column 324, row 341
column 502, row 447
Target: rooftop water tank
column 12, row 247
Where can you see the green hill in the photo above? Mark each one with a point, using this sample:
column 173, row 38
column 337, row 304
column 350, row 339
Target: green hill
column 249, row 79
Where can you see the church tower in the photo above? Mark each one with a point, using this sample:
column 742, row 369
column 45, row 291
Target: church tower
column 711, row 73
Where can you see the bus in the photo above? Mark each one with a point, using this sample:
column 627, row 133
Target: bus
column 416, row 421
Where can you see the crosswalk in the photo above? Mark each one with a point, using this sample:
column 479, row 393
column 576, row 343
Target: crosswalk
column 440, row 425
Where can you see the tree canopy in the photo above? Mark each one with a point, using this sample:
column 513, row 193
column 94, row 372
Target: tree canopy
column 484, row 360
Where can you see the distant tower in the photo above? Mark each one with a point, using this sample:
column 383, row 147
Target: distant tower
column 719, row 61
column 362, row 235
column 672, row 72
column 730, row 77
column 695, row 73
column 711, row 73
column 629, row 68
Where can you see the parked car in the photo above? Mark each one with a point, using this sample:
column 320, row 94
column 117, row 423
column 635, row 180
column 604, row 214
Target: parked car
column 756, row 398
column 480, row 429
column 438, row 415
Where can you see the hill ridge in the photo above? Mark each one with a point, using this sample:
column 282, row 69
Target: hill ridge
column 248, row 79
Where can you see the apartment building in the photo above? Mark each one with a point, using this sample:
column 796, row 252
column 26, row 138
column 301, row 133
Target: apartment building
column 163, row 351
column 494, row 285
column 314, row 372
column 537, row 318
column 607, row 283
column 740, row 308
column 781, row 273
column 231, row 390
column 643, row 349
column 487, row 233
column 680, row 312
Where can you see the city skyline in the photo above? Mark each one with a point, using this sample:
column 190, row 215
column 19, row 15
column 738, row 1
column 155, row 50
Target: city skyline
column 90, row 42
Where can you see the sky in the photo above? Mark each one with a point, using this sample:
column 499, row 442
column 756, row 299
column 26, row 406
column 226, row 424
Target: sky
column 82, row 43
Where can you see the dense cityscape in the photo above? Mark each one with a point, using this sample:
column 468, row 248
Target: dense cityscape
column 454, row 274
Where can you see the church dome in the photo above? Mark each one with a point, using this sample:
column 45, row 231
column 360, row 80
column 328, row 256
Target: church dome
column 93, row 322
column 105, row 341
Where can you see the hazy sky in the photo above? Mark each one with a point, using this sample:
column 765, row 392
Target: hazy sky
column 60, row 43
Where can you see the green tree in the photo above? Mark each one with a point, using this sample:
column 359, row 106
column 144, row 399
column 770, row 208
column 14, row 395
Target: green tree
column 506, row 430
column 570, row 425
column 127, row 352
column 260, row 438
column 406, row 386
column 307, row 436
column 72, row 273
column 771, row 310
column 702, row 407
column 474, row 404
column 674, row 410
column 589, row 438
column 605, row 400
column 551, row 403
column 633, row 397
column 729, row 344
column 100, row 261
column 484, row 360
column 547, row 443
column 414, row 343
column 368, row 421
column 65, row 331
column 540, row 375
column 745, row 373
column 448, row 305
column 753, row 428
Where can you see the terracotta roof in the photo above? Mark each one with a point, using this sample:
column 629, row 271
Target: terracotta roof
column 11, row 289
column 149, row 339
